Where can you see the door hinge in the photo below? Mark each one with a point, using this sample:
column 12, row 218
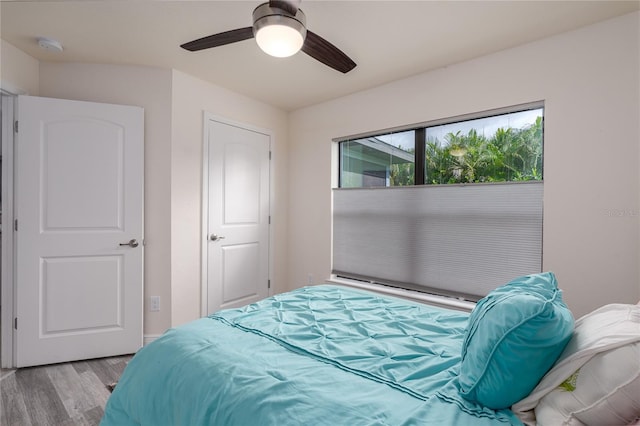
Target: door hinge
column 15, row 126
column 15, row 323
column 268, row 283
column 269, row 153
column 269, row 219
column 15, row 225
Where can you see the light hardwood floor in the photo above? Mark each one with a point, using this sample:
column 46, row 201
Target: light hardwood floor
column 66, row 394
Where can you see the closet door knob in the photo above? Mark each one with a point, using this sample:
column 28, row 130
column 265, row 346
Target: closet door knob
column 132, row 243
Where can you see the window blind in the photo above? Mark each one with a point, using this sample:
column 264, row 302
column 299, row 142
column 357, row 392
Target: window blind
column 458, row 239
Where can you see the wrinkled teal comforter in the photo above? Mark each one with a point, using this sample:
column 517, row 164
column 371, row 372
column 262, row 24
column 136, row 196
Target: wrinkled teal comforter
column 323, row 355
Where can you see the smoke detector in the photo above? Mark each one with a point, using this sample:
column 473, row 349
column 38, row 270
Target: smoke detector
column 49, row 44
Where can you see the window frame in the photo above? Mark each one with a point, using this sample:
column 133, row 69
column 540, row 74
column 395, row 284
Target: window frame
column 420, row 130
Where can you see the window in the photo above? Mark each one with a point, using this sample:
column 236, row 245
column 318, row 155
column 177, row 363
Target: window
column 452, row 207
column 499, row 148
column 381, row 160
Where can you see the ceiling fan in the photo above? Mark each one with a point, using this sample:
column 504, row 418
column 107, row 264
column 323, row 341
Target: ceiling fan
column 279, row 27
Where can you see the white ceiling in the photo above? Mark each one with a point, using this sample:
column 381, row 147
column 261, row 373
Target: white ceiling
column 388, row 40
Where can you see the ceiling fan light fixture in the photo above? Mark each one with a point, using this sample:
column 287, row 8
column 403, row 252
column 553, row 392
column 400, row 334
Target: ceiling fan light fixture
column 278, row 33
column 280, row 41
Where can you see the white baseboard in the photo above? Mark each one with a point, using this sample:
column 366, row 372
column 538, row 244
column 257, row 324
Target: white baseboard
column 148, row 338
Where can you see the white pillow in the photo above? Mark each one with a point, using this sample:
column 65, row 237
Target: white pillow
column 601, row 331
column 604, row 391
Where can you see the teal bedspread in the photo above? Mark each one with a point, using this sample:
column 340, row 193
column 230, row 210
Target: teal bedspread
column 323, row 355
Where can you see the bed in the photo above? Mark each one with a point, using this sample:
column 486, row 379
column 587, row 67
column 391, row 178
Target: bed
column 333, row 355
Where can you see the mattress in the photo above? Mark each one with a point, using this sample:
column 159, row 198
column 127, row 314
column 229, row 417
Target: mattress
column 321, row 355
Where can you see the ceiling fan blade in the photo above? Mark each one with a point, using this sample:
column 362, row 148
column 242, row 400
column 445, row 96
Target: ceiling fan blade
column 219, row 39
column 325, row 52
column 289, row 6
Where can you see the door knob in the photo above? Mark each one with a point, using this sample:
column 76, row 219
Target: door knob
column 215, row 237
column 131, row 243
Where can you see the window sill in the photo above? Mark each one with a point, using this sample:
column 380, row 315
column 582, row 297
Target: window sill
column 416, row 296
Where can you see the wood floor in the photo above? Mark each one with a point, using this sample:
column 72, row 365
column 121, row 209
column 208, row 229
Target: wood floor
column 62, row 394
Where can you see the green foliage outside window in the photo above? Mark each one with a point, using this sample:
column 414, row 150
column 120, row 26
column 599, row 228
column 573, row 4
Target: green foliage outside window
column 402, row 174
column 508, row 155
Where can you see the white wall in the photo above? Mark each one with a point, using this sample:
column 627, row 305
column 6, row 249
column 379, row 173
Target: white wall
column 19, row 72
column 589, row 80
column 191, row 97
column 149, row 88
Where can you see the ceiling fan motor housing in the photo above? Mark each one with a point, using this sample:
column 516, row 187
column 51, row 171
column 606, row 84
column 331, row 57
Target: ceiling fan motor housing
column 265, row 15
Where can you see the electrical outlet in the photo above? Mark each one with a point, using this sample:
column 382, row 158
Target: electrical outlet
column 310, row 279
column 155, row 304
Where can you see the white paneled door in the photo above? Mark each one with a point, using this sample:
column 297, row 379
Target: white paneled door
column 79, row 239
column 237, row 247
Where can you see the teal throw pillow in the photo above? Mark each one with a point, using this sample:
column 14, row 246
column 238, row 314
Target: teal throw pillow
column 514, row 335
